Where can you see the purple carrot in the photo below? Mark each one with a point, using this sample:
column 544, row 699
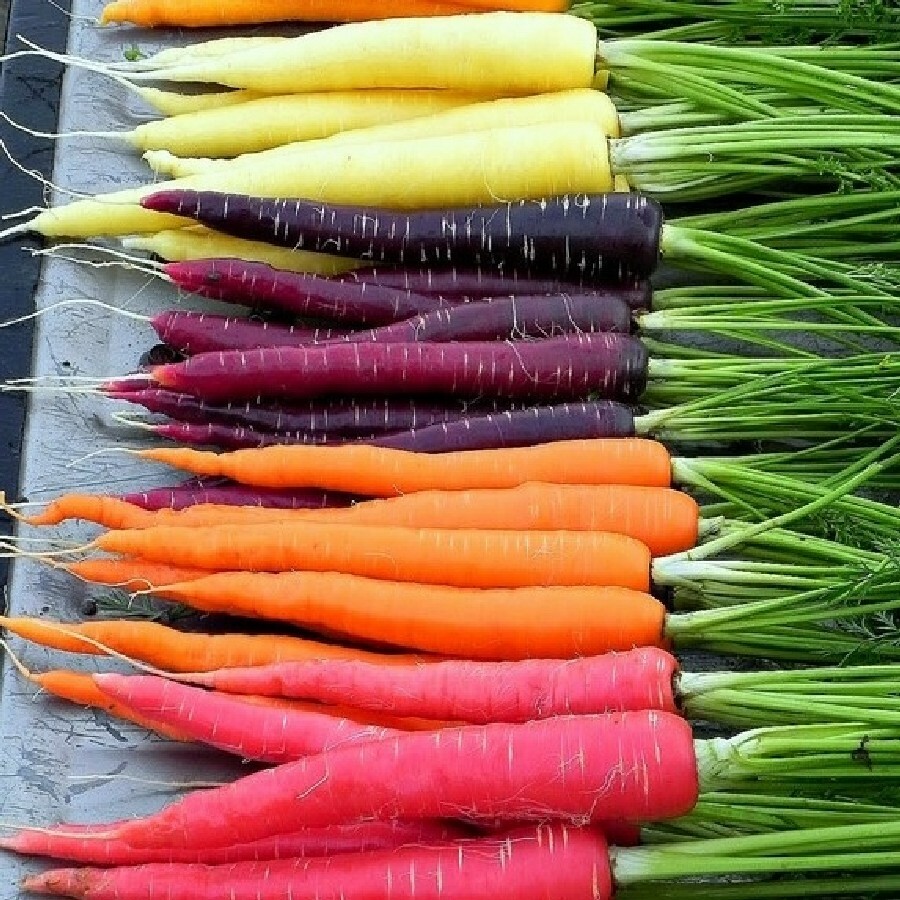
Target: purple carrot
column 567, row 368
column 478, row 284
column 338, row 417
column 259, row 286
column 598, row 238
column 195, row 491
column 519, row 428
column 196, row 332
column 236, row 437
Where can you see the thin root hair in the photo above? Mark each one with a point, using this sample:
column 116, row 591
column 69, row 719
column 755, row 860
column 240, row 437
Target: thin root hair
column 82, row 301
column 54, row 135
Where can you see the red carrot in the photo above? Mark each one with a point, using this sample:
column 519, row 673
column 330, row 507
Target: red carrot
column 612, row 365
column 463, row 690
column 258, row 732
column 533, row 864
column 64, row 842
column 634, row 766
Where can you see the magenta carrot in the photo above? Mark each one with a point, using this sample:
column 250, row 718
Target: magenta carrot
column 196, row 332
column 64, row 842
column 614, row 366
column 332, row 417
column 259, row 286
column 464, row 690
column 535, row 864
column 519, row 428
column 598, row 238
column 252, row 731
column 223, row 492
column 635, row 767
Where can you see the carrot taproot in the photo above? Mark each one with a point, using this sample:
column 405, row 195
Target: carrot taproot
column 502, row 559
column 208, row 14
column 175, row 103
column 259, row 732
column 188, row 244
column 239, row 437
column 666, row 520
column 632, row 767
column 377, row 472
column 65, row 843
column 533, row 864
column 128, row 574
column 498, row 53
column 172, row 650
column 467, row 691
column 492, row 624
column 196, row 491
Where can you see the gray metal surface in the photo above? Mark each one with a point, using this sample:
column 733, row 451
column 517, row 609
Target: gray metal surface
column 49, row 750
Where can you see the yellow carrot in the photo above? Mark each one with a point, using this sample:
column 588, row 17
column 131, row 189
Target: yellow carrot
column 173, row 103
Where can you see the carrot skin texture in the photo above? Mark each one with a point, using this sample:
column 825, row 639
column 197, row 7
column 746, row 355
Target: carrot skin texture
column 238, row 437
column 359, row 837
column 542, row 864
column 465, row 691
column 219, row 491
column 519, row 428
column 484, row 559
column 566, row 368
column 599, row 237
column 383, row 472
column 351, row 417
column 251, row 731
column 524, row 623
column 637, row 767
column 260, row 286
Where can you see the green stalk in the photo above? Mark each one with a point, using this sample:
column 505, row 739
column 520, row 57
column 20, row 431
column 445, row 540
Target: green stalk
column 837, row 886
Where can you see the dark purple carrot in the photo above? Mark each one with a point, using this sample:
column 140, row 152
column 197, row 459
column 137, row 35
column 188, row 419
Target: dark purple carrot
column 478, row 284
column 598, row 238
column 259, row 286
column 221, row 491
column 519, row 428
column 237, row 437
column 196, row 332
column 352, row 418
column 612, row 366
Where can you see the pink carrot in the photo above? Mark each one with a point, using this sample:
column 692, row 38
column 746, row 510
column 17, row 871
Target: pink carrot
column 633, row 767
column 196, row 491
column 258, row 732
column 544, row 863
column 65, row 843
column 468, row 691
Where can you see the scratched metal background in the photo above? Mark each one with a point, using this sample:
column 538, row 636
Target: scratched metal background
column 50, row 750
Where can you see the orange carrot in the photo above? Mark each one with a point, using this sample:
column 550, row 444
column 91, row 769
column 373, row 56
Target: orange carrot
column 211, row 13
column 171, row 650
column 665, row 520
column 129, row 574
column 462, row 557
column 542, row 622
column 381, row 472
column 80, row 688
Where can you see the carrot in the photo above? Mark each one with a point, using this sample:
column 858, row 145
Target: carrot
column 665, row 520
column 522, row 865
column 548, row 622
column 637, row 766
column 129, row 574
column 187, row 244
column 503, row 559
column 208, row 13
column 61, row 843
column 376, row 472
column 252, row 731
column 175, row 651
column 196, row 491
